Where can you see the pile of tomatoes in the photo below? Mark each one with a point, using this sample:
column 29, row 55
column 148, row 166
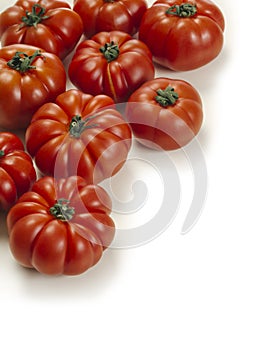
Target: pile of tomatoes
column 58, row 215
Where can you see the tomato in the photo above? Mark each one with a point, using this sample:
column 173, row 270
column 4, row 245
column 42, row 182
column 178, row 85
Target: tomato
column 108, row 15
column 17, row 173
column 79, row 134
column 49, row 24
column 183, row 35
column 111, row 63
column 60, row 226
column 29, row 77
column 165, row 113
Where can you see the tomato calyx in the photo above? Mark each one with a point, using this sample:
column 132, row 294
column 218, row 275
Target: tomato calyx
column 184, row 10
column 110, row 51
column 21, row 62
column 62, row 211
column 33, row 18
column 166, row 97
column 2, row 153
column 78, row 125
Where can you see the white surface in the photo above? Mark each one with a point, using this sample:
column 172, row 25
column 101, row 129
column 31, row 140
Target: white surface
column 202, row 290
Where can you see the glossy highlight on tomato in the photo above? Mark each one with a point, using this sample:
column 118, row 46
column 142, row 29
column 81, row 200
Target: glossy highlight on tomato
column 17, row 173
column 60, row 226
column 165, row 113
column 79, row 134
column 108, row 15
column 29, row 77
column 49, row 24
column 183, row 35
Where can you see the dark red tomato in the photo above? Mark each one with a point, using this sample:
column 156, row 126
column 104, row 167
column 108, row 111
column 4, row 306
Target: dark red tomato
column 183, row 35
column 49, row 24
column 17, row 173
column 108, row 15
column 28, row 78
column 165, row 113
column 79, row 135
column 60, row 226
column 111, row 63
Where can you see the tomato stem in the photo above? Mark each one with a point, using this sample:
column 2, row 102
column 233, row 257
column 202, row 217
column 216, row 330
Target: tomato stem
column 34, row 17
column 62, row 211
column 110, row 51
column 184, row 10
column 167, row 97
column 78, row 125
column 2, row 153
column 22, row 62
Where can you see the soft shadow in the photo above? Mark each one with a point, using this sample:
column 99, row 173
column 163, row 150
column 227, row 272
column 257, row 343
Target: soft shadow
column 90, row 284
column 3, row 228
column 203, row 78
column 34, row 285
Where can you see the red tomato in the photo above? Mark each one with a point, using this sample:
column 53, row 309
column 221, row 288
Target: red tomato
column 111, row 63
column 17, row 173
column 49, row 24
column 79, row 135
column 108, row 15
column 183, row 35
column 28, row 78
column 61, row 226
column 165, row 113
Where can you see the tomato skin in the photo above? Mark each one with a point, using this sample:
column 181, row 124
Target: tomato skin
column 170, row 127
column 17, row 173
column 180, row 43
column 40, row 240
column 27, row 91
column 97, row 153
column 91, row 72
column 58, row 33
column 102, row 15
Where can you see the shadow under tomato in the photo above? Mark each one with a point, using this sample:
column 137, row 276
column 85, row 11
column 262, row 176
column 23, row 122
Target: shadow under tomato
column 91, row 283
column 204, row 79
column 3, row 227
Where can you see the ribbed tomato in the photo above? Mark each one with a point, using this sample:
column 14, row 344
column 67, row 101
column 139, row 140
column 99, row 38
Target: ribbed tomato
column 49, row 24
column 111, row 63
column 79, row 134
column 17, row 173
column 108, row 15
column 60, row 226
column 165, row 113
column 183, row 35
column 29, row 77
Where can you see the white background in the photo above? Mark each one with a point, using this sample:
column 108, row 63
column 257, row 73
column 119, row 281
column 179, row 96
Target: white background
column 202, row 290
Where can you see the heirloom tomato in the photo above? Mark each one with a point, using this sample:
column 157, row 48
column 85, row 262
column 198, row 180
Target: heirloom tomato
column 111, row 63
column 183, row 35
column 49, row 24
column 17, row 173
column 165, row 113
column 29, row 77
column 60, row 226
column 108, row 15
column 79, row 134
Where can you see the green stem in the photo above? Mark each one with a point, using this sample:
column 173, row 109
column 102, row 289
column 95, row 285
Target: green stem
column 22, row 62
column 62, row 211
column 110, row 51
column 34, row 17
column 166, row 97
column 77, row 125
column 2, row 153
column 184, row 10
